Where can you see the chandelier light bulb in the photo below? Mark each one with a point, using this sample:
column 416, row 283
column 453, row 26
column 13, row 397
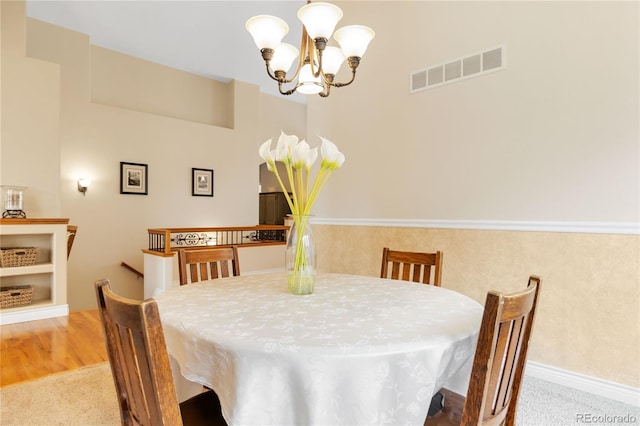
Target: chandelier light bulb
column 283, row 57
column 267, row 31
column 354, row 39
column 308, row 84
column 332, row 59
column 320, row 19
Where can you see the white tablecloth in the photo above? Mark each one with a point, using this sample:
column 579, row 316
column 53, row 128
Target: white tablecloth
column 360, row 350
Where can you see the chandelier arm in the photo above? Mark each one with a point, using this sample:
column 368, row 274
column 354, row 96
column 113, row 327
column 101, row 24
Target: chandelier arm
column 281, row 76
column 318, row 46
column 294, row 76
column 304, row 44
column 354, row 61
column 267, row 55
column 304, row 51
column 288, row 92
column 327, row 91
column 301, row 57
column 327, row 79
column 353, row 77
column 273, row 77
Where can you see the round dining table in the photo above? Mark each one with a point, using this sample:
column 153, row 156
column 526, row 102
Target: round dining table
column 358, row 351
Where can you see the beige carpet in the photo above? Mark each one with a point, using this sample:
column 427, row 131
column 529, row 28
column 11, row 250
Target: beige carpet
column 87, row 397
column 80, row 397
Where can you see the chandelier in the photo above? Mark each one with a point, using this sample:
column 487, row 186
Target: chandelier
column 318, row 63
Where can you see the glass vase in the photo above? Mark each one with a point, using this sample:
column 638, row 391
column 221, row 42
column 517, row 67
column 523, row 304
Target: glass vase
column 300, row 257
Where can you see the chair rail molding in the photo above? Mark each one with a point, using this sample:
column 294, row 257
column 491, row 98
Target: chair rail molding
column 593, row 385
column 623, row 228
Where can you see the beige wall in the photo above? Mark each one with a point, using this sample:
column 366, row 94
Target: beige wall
column 69, row 112
column 30, row 107
column 553, row 138
column 123, row 81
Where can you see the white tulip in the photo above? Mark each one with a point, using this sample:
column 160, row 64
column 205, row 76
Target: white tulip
column 331, row 158
column 300, row 155
column 286, row 145
column 267, row 154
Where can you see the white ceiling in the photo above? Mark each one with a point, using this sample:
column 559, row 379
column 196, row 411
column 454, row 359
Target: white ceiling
column 206, row 38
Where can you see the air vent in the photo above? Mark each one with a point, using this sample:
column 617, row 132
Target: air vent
column 436, row 75
column 471, row 65
column 453, row 70
column 458, row 69
column 419, row 80
column 492, row 59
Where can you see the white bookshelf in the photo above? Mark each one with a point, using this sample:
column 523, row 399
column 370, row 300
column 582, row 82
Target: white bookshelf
column 48, row 275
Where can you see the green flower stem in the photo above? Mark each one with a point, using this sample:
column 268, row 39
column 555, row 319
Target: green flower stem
column 300, row 259
column 284, row 189
column 300, row 185
column 306, row 189
column 298, row 279
column 296, row 204
column 321, row 180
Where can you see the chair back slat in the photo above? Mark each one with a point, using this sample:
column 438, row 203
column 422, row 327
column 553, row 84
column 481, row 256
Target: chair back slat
column 500, row 356
column 210, row 263
column 405, row 271
column 412, row 266
column 204, row 272
column 194, row 275
column 135, row 374
column 513, row 351
column 417, row 274
column 395, row 270
column 224, row 269
column 496, row 365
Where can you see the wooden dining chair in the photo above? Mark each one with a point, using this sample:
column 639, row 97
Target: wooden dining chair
column 412, row 266
column 211, row 263
column 141, row 369
column 498, row 365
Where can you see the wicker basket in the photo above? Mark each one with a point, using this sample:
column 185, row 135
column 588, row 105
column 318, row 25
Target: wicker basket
column 13, row 297
column 18, row 256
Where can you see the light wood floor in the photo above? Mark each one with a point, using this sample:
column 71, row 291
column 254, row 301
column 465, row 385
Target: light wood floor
column 34, row 349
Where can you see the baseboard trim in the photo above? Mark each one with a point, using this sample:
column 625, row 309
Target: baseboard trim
column 630, row 228
column 33, row 314
column 607, row 389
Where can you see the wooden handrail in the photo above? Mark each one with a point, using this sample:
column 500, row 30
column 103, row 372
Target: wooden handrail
column 162, row 244
column 72, row 230
column 221, row 228
column 132, row 269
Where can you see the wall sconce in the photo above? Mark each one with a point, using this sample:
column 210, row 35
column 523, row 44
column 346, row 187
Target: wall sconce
column 83, row 184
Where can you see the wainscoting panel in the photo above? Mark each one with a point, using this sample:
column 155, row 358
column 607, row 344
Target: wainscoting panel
column 589, row 310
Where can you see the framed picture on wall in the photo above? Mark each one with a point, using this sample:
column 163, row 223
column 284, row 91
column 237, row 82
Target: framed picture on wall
column 201, row 182
column 133, row 178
